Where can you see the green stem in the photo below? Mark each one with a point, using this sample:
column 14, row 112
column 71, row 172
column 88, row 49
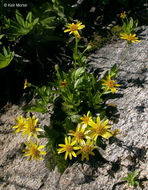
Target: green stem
column 124, row 55
column 102, row 93
column 83, row 52
column 76, row 53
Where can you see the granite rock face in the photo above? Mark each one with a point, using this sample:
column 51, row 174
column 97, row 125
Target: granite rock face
column 127, row 153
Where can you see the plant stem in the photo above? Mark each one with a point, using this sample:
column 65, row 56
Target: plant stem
column 124, row 55
column 76, row 53
column 102, row 93
column 83, row 52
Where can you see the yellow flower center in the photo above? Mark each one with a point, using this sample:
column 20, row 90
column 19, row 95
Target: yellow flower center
column 73, row 27
column 110, row 84
column 31, row 127
column 21, row 125
column 34, row 151
column 68, row 148
column 86, row 149
column 123, row 15
column 131, row 38
column 100, row 130
column 63, row 83
column 86, row 119
column 79, row 135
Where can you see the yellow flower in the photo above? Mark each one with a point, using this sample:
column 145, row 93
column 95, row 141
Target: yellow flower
column 131, row 38
column 20, row 124
column 33, row 151
column 86, row 119
column 123, row 15
column 25, row 84
column 110, row 84
column 30, row 127
column 115, row 132
column 80, row 134
column 99, row 129
column 73, row 28
column 86, row 148
column 68, row 148
column 63, row 83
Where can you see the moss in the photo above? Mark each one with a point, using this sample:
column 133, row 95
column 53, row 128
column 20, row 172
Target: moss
column 62, row 164
column 50, row 160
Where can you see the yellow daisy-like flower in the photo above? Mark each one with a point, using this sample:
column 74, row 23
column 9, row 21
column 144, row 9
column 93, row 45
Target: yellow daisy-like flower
column 110, row 84
column 25, row 84
column 33, row 151
column 99, row 129
column 86, row 148
column 80, row 134
column 30, row 127
column 63, row 83
column 20, row 124
column 86, row 118
column 131, row 38
column 115, row 132
column 73, row 28
column 123, row 15
column 68, row 148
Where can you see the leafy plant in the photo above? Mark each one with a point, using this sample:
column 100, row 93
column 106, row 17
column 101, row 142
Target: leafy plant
column 130, row 26
column 20, row 27
column 6, row 57
column 131, row 179
column 1, row 36
column 44, row 97
column 71, row 95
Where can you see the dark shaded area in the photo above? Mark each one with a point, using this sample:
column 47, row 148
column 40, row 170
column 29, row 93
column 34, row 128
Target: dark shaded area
column 140, row 109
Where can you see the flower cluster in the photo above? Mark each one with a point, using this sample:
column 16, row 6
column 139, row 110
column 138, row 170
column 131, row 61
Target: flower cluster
column 84, row 137
column 28, row 128
column 128, row 33
column 72, row 93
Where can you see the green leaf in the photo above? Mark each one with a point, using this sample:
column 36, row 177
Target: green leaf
column 42, row 90
column 34, row 108
column 75, row 118
column 29, row 17
column 96, row 98
column 6, row 58
column 105, row 75
column 79, row 72
column 131, row 179
column 35, row 21
column 114, row 71
column 19, row 18
column 1, row 36
column 5, row 52
column 48, row 21
column 47, row 91
column 78, row 82
column 131, row 23
column 20, row 27
column 48, row 146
